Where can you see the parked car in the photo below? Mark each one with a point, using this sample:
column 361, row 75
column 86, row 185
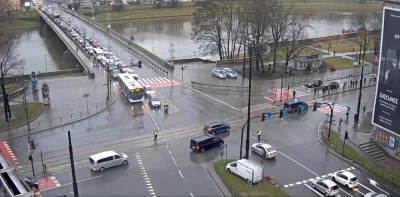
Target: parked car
column 205, row 142
column 107, row 159
column 249, row 170
column 230, row 73
column 218, row 73
column 216, row 127
column 154, row 101
column 345, row 178
column 265, row 150
column 149, row 90
column 373, row 194
column 326, row 186
column 314, row 83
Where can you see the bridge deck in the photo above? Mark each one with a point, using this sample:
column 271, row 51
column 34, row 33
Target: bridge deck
column 80, row 55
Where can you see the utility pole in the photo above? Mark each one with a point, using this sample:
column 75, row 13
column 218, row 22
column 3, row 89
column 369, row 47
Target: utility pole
column 244, row 57
column 248, row 102
column 24, row 100
column 359, row 95
column 45, row 61
column 71, row 158
column 108, row 23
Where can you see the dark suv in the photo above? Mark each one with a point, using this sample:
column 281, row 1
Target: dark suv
column 216, row 127
column 205, row 142
column 293, row 105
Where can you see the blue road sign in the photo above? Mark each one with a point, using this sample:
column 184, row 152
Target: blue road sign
column 132, row 38
column 285, row 111
column 304, row 107
column 274, row 96
column 268, row 115
column 318, row 104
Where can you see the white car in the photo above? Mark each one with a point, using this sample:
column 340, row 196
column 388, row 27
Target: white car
column 149, row 90
column 263, row 148
column 345, row 178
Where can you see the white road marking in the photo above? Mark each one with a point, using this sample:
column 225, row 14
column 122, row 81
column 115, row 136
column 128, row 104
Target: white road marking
column 310, row 180
column 169, row 152
column 298, row 163
column 365, row 187
column 174, row 161
column 314, row 190
column 191, row 194
column 214, row 98
column 305, row 181
column 286, row 186
column 360, row 192
column 345, row 192
column 291, row 184
column 298, row 183
column 95, row 177
column 180, row 173
column 166, row 79
column 323, row 176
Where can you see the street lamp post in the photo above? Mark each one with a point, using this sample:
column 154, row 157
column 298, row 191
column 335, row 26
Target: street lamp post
column 45, row 61
column 248, row 102
column 241, row 138
column 26, row 103
column 131, row 27
column 359, row 95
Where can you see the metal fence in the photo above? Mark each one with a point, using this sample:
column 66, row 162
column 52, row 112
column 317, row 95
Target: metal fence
column 86, row 112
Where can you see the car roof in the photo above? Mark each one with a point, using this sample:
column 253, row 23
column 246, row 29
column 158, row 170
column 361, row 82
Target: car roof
column 329, row 182
column 348, row 174
column 103, row 155
column 202, row 137
column 266, row 145
column 293, row 101
column 147, row 86
column 213, row 123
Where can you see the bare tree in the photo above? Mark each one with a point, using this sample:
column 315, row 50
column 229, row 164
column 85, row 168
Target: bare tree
column 174, row 3
column 361, row 25
column 279, row 16
column 295, row 31
column 375, row 36
column 10, row 59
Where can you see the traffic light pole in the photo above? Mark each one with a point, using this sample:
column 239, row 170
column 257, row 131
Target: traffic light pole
column 359, row 95
column 241, row 138
column 248, row 104
column 330, row 121
column 71, row 158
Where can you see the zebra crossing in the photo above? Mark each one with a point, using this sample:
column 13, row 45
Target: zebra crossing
column 158, row 82
column 336, row 109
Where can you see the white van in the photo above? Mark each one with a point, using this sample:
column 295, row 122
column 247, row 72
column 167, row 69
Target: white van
column 247, row 169
column 107, row 159
column 97, row 53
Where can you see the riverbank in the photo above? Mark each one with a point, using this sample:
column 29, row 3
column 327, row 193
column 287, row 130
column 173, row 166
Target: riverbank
column 188, row 11
column 24, row 20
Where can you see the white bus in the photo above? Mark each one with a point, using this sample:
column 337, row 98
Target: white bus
column 131, row 88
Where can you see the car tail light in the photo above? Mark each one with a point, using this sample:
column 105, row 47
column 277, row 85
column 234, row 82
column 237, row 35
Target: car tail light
column 94, row 165
column 330, row 189
column 197, row 147
column 209, row 129
column 290, row 108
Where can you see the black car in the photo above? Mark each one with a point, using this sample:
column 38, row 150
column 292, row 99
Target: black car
column 205, row 142
column 216, row 127
column 293, row 105
column 314, row 83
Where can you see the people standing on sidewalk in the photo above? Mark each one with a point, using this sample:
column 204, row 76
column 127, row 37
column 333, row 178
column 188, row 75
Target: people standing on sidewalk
column 375, row 80
column 365, row 81
column 364, row 110
column 356, row 83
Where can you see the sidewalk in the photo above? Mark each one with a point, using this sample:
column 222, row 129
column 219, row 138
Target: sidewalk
column 67, row 103
column 360, row 141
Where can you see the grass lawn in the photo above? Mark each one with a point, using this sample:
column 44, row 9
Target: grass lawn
column 35, row 109
column 237, row 185
column 280, row 54
column 339, row 62
column 350, row 153
column 369, row 57
column 11, row 87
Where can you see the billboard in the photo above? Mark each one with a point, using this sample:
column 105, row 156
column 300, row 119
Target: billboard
column 386, row 113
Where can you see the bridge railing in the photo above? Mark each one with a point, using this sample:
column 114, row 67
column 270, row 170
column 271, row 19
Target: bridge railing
column 48, row 20
column 149, row 58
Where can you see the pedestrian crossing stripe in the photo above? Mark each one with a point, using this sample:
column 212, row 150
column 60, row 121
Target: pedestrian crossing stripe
column 312, row 179
column 158, row 82
column 336, row 109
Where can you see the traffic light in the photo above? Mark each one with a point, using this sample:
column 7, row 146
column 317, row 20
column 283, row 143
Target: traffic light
column 281, row 113
column 299, row 109
column 30, row 158
column 315, row 106
column 346, row 135
column 262, row 117
column 140, row 64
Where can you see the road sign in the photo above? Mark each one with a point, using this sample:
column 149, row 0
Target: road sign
column 304, row 107
column 268, row 115
column 132, row 38
column 318, row 104
column 285, row 111
column 86, row 95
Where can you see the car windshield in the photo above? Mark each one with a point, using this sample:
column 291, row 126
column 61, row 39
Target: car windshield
column 120, row 154
column 270, row 149
column 219, row 72
column 155, row 99
column 353, row 179
column 149, row 88
column 335, row 187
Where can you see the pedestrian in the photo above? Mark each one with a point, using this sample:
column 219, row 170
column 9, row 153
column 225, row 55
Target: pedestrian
column 351, row 84
column 334, row 53
column 323, row 91
column 340, row 122
column 356, row 83
column 353, row 49
column 259, row 135
column 375, row 80
column 294, row 94
column 364, row 110
column 155, row 135
column 315, row 91
column 77, row 49
column 365, row 81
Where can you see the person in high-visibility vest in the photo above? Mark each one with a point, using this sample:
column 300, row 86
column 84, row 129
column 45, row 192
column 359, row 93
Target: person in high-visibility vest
column 155, row 134
column 259, row 135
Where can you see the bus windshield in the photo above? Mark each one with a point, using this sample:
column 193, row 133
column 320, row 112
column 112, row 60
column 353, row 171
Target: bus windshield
column 137, row 95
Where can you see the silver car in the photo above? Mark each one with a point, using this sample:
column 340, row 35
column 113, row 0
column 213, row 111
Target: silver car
column 154, row 101
column 218, row 73
column 326, row 186
column 373, row 194
column 230, row 73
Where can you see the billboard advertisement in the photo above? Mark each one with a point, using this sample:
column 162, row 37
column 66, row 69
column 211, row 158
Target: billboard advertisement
column 386, row 113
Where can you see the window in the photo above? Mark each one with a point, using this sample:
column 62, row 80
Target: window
column 106, row 159
column 117, row 157
column 234, row 165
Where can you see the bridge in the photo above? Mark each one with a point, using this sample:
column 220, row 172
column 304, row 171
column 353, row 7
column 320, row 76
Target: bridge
column 80, row 55
column 148, row 59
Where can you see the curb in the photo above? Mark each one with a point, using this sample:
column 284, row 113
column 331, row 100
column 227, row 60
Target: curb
column 63, row 124
column 350, row 161
column 210, row 169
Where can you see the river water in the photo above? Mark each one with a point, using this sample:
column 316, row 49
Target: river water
column 156, row 35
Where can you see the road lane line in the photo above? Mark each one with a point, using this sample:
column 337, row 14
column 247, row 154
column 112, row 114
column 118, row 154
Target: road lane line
column 191, row 194
column 180, row 173
column 345, row 192
column 214, row 99
column 365, row 187
column 169, row 152
column 360, row 192
column 174, row 161
column 167, row 146
column 314, row 190
column 298, row 163
column 95, row 177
